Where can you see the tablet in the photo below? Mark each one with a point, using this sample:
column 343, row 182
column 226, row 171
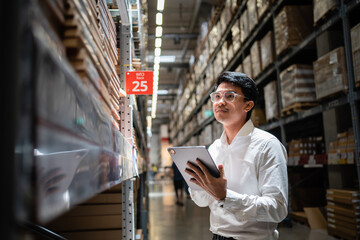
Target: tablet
column 181, row 155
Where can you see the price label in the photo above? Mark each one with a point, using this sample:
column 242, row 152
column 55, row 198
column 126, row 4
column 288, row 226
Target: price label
column 139, row 82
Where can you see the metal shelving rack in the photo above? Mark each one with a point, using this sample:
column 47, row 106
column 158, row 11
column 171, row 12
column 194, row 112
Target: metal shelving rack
column 340, row 15
column 52, row 119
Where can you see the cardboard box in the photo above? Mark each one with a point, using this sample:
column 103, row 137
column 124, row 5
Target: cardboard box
column 247, row 68
column 330, row 73
column 355, row 43
column 292, row 25
column 322, row 7
column 258, row 117
column 315, row 218
column 267, row 50
column 256, row 59
column 271, row 101
column 297, row 85
column 252, row 14
column 244, row 26
column 262, row 6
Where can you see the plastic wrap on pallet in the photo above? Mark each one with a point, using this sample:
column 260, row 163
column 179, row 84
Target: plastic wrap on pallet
column 330, row 73
column 322, row 7
column 271, row 101
column 267, row 50
column 244, row 26
column 262, row 6
column 252, row 14
column 355, row 43
column 297, row 85
column 292, row 25
column 256, row 59
column 246, row 64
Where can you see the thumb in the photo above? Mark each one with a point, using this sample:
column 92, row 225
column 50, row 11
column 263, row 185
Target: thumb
column 221, row 170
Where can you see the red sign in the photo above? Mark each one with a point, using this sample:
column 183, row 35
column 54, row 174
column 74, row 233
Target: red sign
column 139, row 82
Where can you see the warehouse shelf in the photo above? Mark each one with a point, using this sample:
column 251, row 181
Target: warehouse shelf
column 272, row 69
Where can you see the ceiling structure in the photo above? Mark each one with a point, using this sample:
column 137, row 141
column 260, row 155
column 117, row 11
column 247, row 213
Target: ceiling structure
column 183, row 21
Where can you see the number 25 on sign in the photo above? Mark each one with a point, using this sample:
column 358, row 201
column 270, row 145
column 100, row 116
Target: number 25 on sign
column 139, row 82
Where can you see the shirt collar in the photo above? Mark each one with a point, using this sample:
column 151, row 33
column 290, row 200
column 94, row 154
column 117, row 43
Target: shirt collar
column 244, row 131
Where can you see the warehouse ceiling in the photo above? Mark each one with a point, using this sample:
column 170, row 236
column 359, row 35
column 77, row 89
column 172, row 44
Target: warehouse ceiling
column 182, row 20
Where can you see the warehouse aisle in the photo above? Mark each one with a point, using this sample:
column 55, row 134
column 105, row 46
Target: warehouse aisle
column 188, row 222
column 170, row 221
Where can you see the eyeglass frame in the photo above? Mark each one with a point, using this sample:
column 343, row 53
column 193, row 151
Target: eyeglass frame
column 222, row 96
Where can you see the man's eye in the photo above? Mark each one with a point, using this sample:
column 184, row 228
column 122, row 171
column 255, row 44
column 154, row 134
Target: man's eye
column 229, row 96
column 217, row 96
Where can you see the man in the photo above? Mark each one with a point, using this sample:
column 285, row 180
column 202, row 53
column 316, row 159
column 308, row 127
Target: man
column 250, row 196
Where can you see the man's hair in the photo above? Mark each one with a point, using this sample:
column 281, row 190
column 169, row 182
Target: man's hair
column 247, row 85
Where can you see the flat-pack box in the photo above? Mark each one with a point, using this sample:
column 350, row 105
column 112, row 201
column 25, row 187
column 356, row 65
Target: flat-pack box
column 292, row 25
column 330, row 73
column 247, row 68
column 355, row 44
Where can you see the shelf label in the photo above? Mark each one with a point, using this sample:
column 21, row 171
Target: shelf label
column 139, row 82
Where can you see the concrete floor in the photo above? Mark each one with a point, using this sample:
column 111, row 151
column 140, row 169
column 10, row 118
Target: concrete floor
column 172, row 222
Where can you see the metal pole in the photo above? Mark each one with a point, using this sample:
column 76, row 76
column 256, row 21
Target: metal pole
column 351, row 85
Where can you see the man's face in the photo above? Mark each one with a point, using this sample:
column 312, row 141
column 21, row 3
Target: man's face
column 229, row 113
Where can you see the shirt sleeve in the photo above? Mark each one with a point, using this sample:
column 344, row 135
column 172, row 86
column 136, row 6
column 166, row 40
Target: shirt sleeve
column 201, row 197
column 271, row 205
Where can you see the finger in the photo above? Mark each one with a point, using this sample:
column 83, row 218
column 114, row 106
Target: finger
column 221, row 170
column 195, row 168
column 203, row 168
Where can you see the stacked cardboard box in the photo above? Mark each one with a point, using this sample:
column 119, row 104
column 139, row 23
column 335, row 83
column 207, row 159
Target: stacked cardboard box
column 342, row 151
column 292, row 25
column 306, row 151
column 256, row 59
column 355, row 43
column 343, row 213
column 267, row 50
column 271, row 101
column 262, row 6
column 330, row 73
column 217, row 130
column 322, row 7
column 90, row 42
column 258, row 116
column 247, row 68
column 244, row 26
column 205, row 137
column 98, row 218
column 297, row 85
column 252, row 14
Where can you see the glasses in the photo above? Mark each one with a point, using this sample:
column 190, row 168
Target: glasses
column 228, row 96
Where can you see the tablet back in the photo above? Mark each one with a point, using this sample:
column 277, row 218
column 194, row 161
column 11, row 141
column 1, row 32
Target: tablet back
column 181, row 155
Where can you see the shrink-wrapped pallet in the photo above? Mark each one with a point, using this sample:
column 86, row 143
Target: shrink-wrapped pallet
column 355, row 43
column 256, row 59
column 297, row 85
column 267, row 50
column 322, row 7
column 292, row 25
column 271, row 101
column 330, row 73
column 247, row 66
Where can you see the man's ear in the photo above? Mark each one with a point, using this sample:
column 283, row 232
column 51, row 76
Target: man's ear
column 249, row 105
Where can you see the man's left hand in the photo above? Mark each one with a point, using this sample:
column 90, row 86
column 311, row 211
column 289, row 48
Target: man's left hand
column 216, row 187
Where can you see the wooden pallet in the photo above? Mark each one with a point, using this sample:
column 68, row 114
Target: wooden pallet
column 296, row 107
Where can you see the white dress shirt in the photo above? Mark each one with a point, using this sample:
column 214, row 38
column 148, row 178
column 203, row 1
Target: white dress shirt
column 257, row 185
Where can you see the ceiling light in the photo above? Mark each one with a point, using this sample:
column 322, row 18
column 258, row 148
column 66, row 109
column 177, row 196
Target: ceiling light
column 162, row 92
column 159, row 19
column 158, row 42
column 158, row 31
column 157, row 52
column 167, row 58
column 160, row 5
